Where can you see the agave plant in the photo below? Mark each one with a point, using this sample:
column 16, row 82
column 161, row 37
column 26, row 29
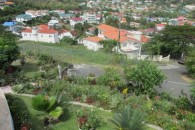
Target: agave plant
column 129, row 119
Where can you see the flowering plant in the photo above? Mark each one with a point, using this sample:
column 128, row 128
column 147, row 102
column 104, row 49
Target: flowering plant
column 87, row 119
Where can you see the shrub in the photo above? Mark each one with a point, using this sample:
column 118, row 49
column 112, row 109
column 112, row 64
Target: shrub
column 88, row 119
column 129, row 119
column 111, row 78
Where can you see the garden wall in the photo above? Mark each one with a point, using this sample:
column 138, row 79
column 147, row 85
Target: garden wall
column 6, row 122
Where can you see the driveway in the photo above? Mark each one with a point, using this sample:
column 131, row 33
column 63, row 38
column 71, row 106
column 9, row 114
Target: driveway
column 174, row 84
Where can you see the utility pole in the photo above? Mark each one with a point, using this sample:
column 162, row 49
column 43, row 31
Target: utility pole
column 119, row 31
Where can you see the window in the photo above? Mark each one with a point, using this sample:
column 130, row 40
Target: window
column 30, row 35
column 50, row 35
column 25, row 34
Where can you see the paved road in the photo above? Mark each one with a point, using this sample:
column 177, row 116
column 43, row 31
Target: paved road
column 174, row 84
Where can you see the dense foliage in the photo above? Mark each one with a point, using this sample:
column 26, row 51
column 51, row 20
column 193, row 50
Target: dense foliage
column 172, row 40
column 190, row 62
column 9, row 51
column 144, row 77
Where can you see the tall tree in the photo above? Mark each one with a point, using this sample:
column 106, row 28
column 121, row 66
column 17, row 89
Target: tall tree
column 174, row 40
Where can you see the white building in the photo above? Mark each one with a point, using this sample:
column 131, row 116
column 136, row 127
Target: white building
column 90, row 17
column 65, row 33
column 92, row 43
column 53, row 22
column 40, row 34
column 23, row 18
column 36, row 13
column 76, row 20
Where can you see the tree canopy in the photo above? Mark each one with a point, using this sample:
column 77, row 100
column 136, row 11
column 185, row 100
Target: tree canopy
column 108, row 45
column 144, row 77
column 172, row 40
column 9, row 51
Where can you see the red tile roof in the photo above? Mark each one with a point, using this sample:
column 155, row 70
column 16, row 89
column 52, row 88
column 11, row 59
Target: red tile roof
column 27, row 30
column 45, row 31
column 112, row 33
column 43, row 26
column 48, row 31
column 144, row 39
column 161, row 25
column 76, row 19
column 93, row 39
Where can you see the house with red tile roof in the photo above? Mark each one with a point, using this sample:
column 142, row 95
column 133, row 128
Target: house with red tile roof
column 76, row 20
column 41, row 33
column 159, row 27
column 92, row 43
column 129, row 40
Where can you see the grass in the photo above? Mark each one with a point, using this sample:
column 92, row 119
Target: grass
column 187, row 78
column 29, row 69
column 70, row 54
column 68, row 120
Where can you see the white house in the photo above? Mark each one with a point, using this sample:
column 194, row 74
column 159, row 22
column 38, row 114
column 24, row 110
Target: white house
column 53, row 22
column 130, row 41
column 90, row 17
column 92, row 43
column 36, row 13
column 23, row 18
column 39, row 34
column 65, row 33
column 76, row 20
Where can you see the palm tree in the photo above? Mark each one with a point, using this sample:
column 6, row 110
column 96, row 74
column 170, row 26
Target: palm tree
column 129, row 119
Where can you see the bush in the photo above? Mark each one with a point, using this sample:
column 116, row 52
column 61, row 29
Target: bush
column 129, row 119
column 111, row 78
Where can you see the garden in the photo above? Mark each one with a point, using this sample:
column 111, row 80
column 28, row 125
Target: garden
column 123, row 98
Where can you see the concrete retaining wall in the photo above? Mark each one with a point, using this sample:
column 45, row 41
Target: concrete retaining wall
column 6, row 122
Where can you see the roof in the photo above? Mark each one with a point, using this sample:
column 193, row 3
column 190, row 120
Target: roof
column 113, row 33
column 42, row 30
column 27, row 30
column 47, row 31
column 43, row 26
column 62, row 31
column 161, row 25
column 8, row 24
column 93, row 39
column 9, row 3
column 23, row 16
column 144, row 39
column 76, row 19
column 105, row 27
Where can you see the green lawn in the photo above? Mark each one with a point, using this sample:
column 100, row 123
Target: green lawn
column 29, row 69
column 68, row 120
column 70, row 54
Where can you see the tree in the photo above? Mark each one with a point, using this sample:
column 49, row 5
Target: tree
column 108, row 45
column 175, row 40
column 144, row 77
column 112, row 21
column 9, row 51
column 79, row 28
column 129, row 119
column 69, row 41
column 190, row 62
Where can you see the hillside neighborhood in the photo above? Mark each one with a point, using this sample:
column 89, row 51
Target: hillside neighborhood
column 97, row 64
